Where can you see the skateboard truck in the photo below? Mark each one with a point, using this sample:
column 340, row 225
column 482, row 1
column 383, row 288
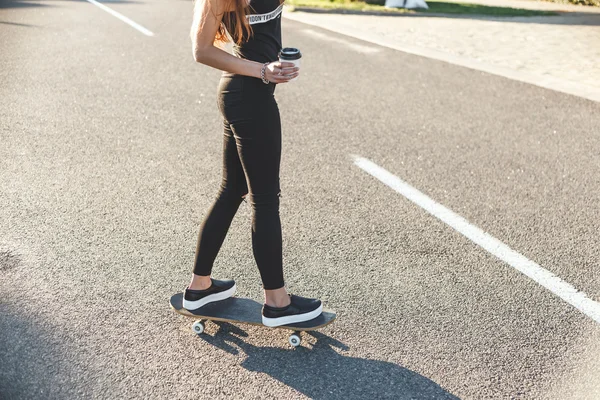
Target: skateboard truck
column 294, row 340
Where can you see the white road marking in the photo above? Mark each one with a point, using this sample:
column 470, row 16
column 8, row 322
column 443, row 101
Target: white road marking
column 547, row 279
column 354, row 46
column 122, row 18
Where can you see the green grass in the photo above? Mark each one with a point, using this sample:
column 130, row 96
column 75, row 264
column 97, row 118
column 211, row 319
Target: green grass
column 434, row 7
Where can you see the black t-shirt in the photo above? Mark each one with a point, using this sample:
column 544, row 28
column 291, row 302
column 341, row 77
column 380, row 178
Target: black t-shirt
column 265, row 20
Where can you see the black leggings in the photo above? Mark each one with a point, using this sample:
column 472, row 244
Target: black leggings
column 251, row 158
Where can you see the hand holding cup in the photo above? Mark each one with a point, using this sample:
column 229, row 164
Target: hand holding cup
column 281, row 72
column 290, row 55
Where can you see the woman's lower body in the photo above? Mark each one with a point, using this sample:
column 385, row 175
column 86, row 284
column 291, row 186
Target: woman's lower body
column 251, row 161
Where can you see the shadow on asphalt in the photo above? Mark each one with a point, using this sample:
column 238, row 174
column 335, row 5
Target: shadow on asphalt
column 321, row 372
column 570, row 18
column 21, row 4
column 33, row 358
column 16, row 24
column 42, row 3
column 9, row 259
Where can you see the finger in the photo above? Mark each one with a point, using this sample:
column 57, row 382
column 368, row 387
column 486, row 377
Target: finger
column 285, row 64
column 287, row 78
column 279, row 79
column 276, row 65
column 276, row 78
column 289, row 70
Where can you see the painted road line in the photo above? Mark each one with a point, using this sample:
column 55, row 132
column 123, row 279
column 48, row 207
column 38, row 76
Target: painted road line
column 122, row 18
column 547, row 279
column 354, row 46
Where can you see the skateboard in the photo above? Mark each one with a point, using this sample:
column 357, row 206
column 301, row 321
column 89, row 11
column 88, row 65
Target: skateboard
column 242, row 310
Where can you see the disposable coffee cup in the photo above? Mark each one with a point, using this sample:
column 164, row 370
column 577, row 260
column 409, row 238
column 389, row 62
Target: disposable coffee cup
column 291, row 55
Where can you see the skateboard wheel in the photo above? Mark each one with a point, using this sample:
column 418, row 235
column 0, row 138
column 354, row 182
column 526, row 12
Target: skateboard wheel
column 198, row 327
column 295, row 340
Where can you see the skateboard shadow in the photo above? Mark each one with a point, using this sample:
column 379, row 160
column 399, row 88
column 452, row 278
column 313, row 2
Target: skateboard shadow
column 321, row 372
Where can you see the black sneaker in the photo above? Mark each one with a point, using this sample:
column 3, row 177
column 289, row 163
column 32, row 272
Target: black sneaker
column 300, row 309
column 218, row 290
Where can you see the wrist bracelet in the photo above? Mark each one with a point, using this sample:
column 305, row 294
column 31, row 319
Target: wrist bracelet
column 262, row 73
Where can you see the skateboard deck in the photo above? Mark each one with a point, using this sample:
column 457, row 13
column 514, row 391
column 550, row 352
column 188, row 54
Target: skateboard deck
column 242, row 310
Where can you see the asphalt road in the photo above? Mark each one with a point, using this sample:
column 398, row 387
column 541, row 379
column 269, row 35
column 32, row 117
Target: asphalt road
column 110, row 155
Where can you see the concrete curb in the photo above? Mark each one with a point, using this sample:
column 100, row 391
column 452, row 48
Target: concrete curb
column 417, row 14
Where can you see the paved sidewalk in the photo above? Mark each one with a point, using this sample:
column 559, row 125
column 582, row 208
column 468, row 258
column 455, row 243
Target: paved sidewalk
column 559, row 52
column 538, row 5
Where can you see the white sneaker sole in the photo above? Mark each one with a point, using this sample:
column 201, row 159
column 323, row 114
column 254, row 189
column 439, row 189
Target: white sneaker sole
column 292, row 319
column 194, row 305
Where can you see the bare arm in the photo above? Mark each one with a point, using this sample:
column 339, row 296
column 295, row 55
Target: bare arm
column 207, row 18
